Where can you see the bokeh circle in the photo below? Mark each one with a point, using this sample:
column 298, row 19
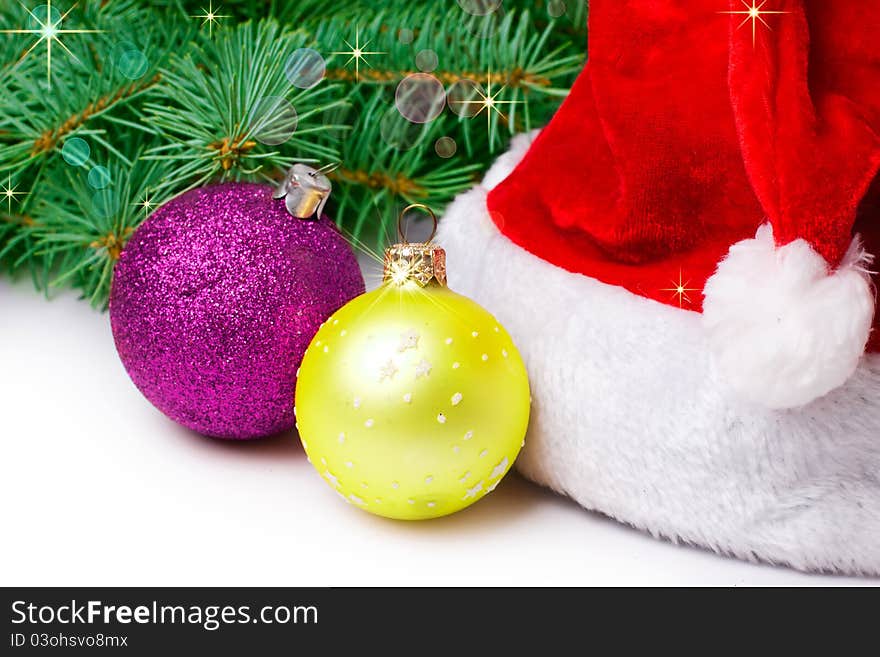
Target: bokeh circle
column 40, row 16
column 420, row 97
column 405, row 35
column 464, row 97
column 273, row 120
column 556, row 8
column 445, row 147
column 305, row 68
column 105, row 204
column 427, row 60
column 479, row 7
column 99, row 177
column 133, row 64
column 76, row 151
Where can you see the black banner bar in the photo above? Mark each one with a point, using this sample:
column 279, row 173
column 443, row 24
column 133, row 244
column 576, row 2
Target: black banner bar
column 365, row 622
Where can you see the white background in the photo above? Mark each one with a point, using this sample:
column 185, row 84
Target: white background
column 99, row 488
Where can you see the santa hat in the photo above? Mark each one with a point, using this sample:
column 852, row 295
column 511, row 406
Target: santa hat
column 682, row 256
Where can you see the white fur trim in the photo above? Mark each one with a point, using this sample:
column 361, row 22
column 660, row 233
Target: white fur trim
column 783, row 330
column 629, row 416
column 507, row 162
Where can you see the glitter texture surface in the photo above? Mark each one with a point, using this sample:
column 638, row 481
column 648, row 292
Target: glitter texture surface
column 214, row 301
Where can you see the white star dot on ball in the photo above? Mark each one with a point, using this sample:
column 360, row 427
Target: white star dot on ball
column 504, row 353
column 448, row 340
column 357, row 402
column 407, row 398
column 499, row 469
column 408, row 340
column 423, row 368
column 341, row 438
column 456, row 365
column 483, row 453
column 456, row 449
column 343, row 333
column 357, row 500
column 329, row 476
column 411, row 501
column 485, row 357
column 387, row 371
column 468, row 435
column 369, row 423
column 432, row 504
column 456, row 399
column 465, row 476
column 326, row 349
column 497, row 330
column 472, row 492
column 429, row 479
column 475, row 333
column 349, row 464
column 395, row 485
column 441, row 418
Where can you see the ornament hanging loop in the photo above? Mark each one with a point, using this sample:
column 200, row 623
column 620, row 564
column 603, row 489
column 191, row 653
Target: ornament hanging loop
column 415, row 206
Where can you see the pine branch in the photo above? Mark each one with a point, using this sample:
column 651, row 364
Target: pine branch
column 389, row 161
column 78, row 231
column 158, row 123
column 96, row 78
column 223, row 106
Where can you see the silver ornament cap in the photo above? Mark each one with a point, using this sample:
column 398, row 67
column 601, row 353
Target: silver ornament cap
column 305, row 190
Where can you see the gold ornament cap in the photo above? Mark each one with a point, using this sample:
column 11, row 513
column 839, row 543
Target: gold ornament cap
column 420, row 262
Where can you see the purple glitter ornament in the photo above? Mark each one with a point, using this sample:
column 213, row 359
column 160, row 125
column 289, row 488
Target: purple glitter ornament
column 215, row 299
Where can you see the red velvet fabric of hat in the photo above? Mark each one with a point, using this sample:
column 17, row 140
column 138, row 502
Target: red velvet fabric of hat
column 695, row 123
column 682, row 136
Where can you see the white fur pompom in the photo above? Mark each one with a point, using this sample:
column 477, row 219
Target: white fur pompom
column 783, row 330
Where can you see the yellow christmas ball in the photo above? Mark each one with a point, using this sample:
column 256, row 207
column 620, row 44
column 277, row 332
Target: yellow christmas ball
column 412, row 401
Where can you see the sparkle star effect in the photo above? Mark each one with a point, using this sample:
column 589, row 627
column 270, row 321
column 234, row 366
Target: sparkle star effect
column 50, row 31
column 754, row 13
column 356, row 53
column 9, row 192
column 488, row 101
column 147, row 203
column 681, row 290
column 210, row 16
